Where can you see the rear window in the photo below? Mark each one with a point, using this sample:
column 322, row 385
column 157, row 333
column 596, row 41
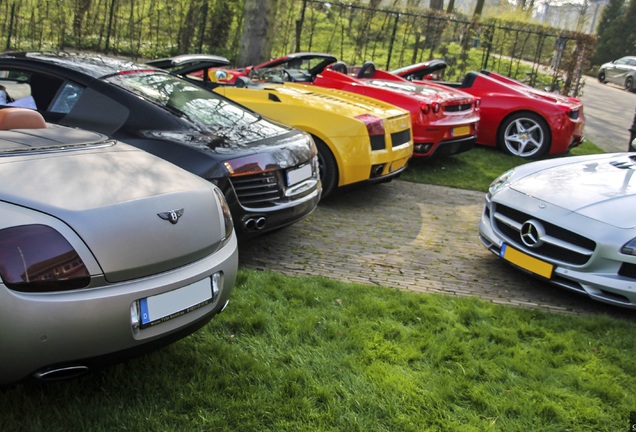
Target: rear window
column 199, row 105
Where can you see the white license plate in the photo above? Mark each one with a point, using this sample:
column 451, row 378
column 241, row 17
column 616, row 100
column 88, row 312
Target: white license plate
column 166, row 306
column 298, row 175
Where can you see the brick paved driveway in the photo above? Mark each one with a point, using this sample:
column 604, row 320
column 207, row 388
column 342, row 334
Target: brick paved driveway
column 417, row 237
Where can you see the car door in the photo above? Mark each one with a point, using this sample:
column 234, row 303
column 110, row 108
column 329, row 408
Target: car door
column 616, row 72
column 63, row 101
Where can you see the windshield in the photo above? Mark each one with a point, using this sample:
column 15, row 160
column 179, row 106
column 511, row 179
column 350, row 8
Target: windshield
column 199, row 105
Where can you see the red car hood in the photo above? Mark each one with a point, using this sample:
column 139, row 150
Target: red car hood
column 503, row 84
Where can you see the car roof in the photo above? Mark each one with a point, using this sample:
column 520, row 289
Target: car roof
column 202, row 60
column 93, row 65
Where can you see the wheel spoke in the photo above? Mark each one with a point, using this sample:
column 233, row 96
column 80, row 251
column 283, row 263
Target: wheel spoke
column 519, row 126
column 532, row 128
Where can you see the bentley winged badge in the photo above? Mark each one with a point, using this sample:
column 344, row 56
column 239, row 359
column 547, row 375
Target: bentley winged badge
column 172, row 215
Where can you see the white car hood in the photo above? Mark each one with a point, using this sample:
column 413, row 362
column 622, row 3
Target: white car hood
column 602, row 188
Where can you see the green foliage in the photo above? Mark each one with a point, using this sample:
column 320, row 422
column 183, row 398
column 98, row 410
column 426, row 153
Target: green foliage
column 611, row 33
column 313, row 354
column 391, row 35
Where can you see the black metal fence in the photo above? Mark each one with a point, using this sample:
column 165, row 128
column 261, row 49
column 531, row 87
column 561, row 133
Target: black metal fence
column 353, row 31
column 541, row 56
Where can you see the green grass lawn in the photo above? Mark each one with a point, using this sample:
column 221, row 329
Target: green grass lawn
column 475, row 169
column 314, row 354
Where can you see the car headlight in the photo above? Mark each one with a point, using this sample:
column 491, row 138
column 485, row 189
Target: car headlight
column 227, row 217
column 37, row 258
column 629, row 248
column 499, row 182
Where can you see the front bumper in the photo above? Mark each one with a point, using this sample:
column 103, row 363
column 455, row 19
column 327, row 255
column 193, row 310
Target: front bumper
column 602, row 277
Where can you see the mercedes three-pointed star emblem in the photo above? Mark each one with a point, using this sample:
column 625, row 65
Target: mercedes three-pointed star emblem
column 531, row 233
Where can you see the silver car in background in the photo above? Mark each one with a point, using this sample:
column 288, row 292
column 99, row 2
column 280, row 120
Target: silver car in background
column 106, row 251
column 569, row 221
column 621, row 72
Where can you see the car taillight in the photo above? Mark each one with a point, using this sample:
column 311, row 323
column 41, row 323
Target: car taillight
column 37, row 258
column 426, row 107
column 374, row 125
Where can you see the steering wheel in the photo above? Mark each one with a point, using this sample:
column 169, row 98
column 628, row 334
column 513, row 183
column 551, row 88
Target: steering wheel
column 287, row 77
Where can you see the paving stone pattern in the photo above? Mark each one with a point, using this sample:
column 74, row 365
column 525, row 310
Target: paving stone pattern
column 421, row 238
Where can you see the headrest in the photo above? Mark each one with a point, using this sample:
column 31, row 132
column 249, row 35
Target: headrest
column 339, row 67
column 20, row 118
column 366, row 71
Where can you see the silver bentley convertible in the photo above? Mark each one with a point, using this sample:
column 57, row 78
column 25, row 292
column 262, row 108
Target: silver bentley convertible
column 106, row 251
column 570, row 221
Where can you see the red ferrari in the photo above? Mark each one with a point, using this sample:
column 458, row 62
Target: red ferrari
column 444, row 120
column 515, row 117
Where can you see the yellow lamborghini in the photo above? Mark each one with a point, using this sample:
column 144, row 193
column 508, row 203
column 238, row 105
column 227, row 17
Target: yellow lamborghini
column 359, row 139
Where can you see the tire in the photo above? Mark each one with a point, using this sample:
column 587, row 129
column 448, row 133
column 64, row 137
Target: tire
column 524, row 134
column 601, row 77
column 328, row 168
column 629, row 84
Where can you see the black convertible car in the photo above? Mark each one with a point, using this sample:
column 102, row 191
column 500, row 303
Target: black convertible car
column 267, row 171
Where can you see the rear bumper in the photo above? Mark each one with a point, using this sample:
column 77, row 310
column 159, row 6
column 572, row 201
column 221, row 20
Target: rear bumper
column 85, row 329
column 252, row 222
column 566, row 133
column 444, row 148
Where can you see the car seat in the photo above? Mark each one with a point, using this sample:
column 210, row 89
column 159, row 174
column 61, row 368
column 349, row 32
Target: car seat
column 366, row 71
column 20, row 118
column 469, row 79
column 339, row 66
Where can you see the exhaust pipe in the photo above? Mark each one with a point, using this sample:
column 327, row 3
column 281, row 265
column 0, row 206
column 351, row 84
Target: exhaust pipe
column 254, row 223
column 260, row 223
column 61, row 373
column 249, row 224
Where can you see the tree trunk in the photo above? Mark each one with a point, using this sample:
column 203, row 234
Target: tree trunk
column 479, row 8
column 437, row 4
column 256, row 40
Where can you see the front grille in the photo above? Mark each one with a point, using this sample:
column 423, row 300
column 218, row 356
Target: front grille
column 400, row 138
column 458, row 108
column 258, row 190
column 559, row 244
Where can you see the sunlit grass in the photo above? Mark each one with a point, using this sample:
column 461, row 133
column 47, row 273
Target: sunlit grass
column 474, row 169
column 312, row 354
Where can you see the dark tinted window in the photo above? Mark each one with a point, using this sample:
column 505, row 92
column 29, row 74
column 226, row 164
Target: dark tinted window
column 201, row 106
